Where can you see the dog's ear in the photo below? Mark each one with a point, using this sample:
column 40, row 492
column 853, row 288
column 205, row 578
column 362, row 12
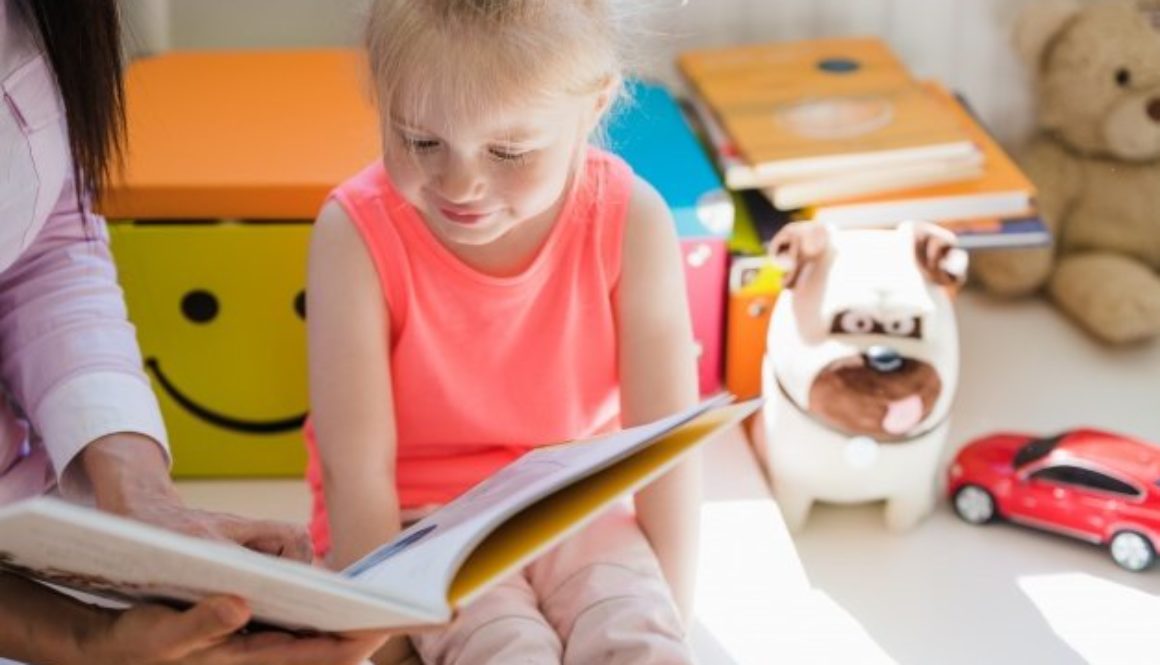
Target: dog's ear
column 937, row 252
column 795, row 246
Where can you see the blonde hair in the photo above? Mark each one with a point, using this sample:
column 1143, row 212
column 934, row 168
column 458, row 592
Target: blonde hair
column 477, row 54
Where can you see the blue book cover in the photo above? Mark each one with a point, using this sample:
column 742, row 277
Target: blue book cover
column 1008, row 233
column 650, row 132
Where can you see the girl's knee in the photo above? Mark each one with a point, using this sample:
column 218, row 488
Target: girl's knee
column 628, row 629
column 515, row 638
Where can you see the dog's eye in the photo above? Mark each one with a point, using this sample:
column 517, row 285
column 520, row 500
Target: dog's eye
column 902, row 327
column 854, row 323
column 1123, row 77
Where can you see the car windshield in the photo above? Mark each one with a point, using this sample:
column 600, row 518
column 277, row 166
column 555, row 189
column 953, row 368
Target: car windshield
column 1036, row 449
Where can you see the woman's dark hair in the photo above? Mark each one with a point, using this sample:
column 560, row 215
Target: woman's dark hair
column 82, row 40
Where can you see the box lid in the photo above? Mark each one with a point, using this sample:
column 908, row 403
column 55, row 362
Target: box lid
column 234, row 134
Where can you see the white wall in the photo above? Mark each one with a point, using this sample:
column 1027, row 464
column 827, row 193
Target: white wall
column 965, row 43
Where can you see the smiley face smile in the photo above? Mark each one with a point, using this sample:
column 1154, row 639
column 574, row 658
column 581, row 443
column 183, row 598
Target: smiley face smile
column 226, row 422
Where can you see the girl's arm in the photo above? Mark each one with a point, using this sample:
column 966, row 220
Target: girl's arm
column 350, row 388
column 658, row 377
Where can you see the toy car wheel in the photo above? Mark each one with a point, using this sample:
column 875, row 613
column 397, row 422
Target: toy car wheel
column 975, row 504
column 1132, row 551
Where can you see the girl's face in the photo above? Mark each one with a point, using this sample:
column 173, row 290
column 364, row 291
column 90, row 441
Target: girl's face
column 476, row 176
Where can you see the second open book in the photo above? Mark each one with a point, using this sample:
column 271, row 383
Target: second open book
column 430, row 568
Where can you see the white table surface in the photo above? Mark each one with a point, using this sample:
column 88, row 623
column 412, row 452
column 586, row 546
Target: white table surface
column 945, row 592
column 948, row 592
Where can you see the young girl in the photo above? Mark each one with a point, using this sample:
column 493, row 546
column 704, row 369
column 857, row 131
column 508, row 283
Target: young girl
column 492, row 285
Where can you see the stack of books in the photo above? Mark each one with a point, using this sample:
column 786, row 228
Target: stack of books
column 839, row 131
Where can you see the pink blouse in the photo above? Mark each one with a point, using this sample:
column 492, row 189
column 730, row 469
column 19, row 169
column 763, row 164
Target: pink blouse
column 70, row 369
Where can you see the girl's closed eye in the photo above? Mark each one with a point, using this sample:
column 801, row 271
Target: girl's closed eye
column 509, row 155
column 419, row 144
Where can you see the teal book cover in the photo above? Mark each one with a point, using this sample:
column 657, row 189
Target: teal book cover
column 649, row 131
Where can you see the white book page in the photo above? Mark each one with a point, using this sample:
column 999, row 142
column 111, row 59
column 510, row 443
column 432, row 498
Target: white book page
column 434, row 547
column 84, row 549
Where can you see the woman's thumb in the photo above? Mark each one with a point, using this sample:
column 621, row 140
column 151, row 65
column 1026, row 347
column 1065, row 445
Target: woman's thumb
column 208, row 622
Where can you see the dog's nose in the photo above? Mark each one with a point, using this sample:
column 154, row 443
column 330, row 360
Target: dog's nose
column 1153, row 109
column 883, row 359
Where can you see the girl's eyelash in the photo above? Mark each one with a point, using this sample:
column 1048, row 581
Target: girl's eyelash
column 508, row 157
column 423, row 145
column 420, row 145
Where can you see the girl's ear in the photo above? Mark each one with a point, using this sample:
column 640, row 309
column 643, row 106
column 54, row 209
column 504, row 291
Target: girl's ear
column 604, row 97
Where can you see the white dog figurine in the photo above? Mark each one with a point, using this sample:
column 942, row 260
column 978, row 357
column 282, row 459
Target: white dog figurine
column 861, row 367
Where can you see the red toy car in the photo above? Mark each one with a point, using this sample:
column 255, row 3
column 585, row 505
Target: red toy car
column 1093, row 485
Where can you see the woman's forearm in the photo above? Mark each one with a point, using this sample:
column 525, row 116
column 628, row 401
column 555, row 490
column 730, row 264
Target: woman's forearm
column 39, row 625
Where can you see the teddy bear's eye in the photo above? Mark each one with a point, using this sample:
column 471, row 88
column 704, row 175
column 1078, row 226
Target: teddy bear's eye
column 1123, row 77
column 854, row 323
column 904, row 326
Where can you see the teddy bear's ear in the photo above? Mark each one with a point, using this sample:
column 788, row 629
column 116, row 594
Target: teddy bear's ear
column 1151, row 10
column 1037, row 24
column 937, row 253
column 796, row 246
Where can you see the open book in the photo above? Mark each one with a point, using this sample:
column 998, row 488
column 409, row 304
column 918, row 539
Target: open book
column 419, row 578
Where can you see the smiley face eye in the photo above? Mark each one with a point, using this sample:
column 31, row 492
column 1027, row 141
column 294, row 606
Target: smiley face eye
column 300, row 305
column 855, row 323
column 199, row 306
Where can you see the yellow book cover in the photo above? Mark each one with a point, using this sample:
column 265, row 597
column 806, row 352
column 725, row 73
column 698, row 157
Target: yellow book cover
column 1001, row 190
column 818, row 106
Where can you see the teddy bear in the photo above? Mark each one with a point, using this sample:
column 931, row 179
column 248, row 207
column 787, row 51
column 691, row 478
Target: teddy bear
column 1095, row 160
column 861, row 367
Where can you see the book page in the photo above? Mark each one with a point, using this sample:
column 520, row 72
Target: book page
column 568, row 509
column 433, row 548
column 80, row 548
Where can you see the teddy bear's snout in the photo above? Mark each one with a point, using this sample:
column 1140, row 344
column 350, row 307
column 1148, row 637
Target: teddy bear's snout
column 1153, row 109
column 882, row 359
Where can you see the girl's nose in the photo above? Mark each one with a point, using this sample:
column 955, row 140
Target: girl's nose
column 459, row 181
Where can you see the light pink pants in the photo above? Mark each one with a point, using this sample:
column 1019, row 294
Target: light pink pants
column 598, row 598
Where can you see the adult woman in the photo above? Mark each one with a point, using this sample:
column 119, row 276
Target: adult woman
column 76, row 413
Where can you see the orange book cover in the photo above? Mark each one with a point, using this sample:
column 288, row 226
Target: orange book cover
column 820, row 105
column 1001, row 177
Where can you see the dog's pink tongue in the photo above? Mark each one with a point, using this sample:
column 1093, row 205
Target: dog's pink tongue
column 902, row 415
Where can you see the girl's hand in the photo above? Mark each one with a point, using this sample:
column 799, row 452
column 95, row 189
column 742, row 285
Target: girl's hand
column 130, row 477
column 206, row 634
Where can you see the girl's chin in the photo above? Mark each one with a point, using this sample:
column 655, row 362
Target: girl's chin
column 474, row 235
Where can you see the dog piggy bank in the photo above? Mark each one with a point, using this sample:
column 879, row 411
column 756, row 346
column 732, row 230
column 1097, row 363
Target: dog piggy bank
column 860, row 367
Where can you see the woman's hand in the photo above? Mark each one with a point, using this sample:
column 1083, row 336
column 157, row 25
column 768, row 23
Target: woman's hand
column 130, row 477
column 207, row 634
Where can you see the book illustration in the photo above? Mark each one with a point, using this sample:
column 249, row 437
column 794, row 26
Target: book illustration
column 382, row 554
column 836, row 118
column 484, row 497
column 1001, row 190
column 835, row 104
